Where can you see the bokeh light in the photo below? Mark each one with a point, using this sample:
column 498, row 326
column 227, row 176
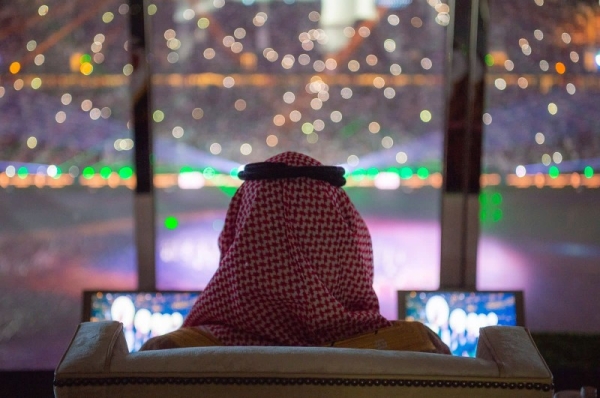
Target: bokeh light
column 425, row 116
column 171, row 222
column 14, row 68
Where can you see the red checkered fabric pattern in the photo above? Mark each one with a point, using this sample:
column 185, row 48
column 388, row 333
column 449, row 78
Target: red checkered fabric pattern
column 296, row 266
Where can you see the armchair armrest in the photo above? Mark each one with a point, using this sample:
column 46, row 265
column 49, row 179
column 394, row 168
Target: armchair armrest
column 514, row 352
column 92, row 348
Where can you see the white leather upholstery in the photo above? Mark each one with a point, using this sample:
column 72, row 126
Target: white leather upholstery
column 97, row 364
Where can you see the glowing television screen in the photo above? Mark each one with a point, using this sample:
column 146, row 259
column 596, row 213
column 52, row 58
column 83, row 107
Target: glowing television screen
column 143, row 314
column 457, row 315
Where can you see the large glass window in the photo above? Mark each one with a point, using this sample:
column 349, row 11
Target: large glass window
column 355, row 83
column 65, row 171
column 539, row 213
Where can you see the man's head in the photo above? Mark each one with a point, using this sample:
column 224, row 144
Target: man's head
column 294, row 251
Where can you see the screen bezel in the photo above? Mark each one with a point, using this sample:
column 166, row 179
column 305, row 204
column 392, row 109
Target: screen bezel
column 519, row 300
column 86, row 314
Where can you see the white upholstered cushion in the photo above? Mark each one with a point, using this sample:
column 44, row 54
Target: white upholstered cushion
column 97, row 363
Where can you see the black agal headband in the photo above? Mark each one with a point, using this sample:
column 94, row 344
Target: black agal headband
column 274, row 171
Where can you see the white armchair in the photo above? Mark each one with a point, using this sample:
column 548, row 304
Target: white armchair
column 97, row 364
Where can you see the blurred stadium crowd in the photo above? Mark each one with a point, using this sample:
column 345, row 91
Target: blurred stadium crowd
column 233, row 79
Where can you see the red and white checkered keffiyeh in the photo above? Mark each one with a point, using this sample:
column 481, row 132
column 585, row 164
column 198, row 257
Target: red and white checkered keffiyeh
column 296, row 266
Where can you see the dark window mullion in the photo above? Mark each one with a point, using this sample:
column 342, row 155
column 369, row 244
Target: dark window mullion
column 141, row 89
column 466, row 49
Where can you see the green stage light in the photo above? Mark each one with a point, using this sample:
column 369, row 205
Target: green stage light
column 372, row 172
column 126, row 173
column 209, row 173
column 22, row 172
column 482, row 215
column 497, row 216
column 85, row 58
column 171, row 222
column 358, row 174
column 105, row 172
column 496, row 198
column 406, row 173
column 87, row 172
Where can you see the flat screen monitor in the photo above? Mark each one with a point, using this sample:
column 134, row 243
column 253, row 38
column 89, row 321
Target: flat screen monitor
column 143, row 314
column 457, row 315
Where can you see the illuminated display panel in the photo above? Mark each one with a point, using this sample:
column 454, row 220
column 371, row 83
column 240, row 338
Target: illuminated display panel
column 358, row 85
column 143, row 314
column 457, row 315
column 65, row 171
column 539, row 214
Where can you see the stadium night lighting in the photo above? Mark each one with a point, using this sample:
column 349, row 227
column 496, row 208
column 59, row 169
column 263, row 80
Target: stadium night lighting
column 386, row 180
column 422, row 173
column 171, row 222
column 333, row 91
column 209, row 173
column 105, row 172
column 126, row 173
column 22, row 172
column 88, row 173
column 190, row 180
